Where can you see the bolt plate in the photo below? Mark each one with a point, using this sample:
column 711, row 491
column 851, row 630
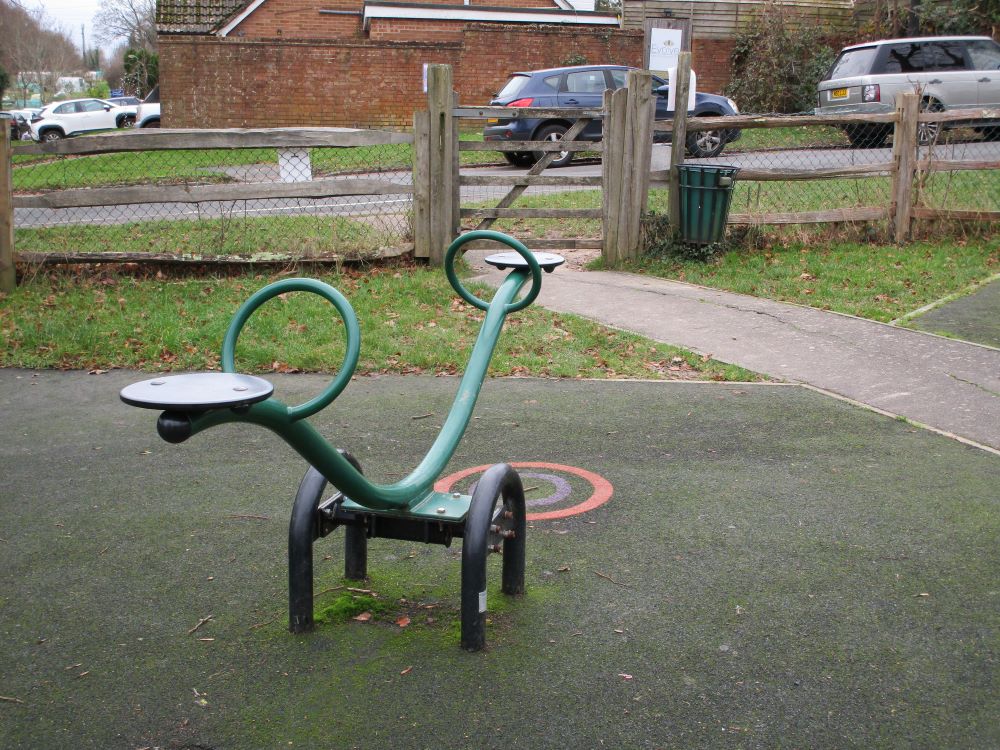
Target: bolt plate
column 455, row 508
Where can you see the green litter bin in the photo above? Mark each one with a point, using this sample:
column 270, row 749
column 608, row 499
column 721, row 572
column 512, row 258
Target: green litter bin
column 706, row 192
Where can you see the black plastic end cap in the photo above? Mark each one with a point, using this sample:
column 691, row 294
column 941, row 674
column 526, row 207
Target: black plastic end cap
column 174, row 426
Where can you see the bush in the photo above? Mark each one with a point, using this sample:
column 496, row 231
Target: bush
column 778, row 61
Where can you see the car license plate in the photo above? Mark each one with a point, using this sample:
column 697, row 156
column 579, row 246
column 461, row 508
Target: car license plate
column 838, row 94
column 492, row 121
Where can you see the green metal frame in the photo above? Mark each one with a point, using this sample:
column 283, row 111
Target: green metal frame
column 290, row 423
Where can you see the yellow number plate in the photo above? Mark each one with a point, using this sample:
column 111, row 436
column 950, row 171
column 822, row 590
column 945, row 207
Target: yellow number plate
column 838, row 94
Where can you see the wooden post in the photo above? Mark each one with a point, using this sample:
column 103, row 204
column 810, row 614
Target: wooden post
column 421, row 222
column 611, row 173
column 442, row 155
column 456, row 195
column 8, row 273
column 904, row 155
column 681, row 88
column 635, row 178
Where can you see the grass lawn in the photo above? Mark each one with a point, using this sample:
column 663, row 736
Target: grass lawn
column 411, row 321
column 294, row 237
column 872, row 281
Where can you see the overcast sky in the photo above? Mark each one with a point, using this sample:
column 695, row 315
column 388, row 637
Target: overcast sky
column 68, row 15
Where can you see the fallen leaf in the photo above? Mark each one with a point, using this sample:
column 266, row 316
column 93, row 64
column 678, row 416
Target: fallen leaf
column 403, row 621
column 364, row 617
column 407, row 670
column 625, row 676
column 563, row 569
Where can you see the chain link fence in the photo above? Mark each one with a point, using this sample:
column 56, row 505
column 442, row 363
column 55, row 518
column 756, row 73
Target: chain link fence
column 355, row 201
column 943, row 182
column 215, row 203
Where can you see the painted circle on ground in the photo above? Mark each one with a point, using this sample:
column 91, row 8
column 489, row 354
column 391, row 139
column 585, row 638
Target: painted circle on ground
column 601, row 486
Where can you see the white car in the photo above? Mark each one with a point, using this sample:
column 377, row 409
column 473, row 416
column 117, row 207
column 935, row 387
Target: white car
column 64, row 119
column 148, row 112
column 948, row 72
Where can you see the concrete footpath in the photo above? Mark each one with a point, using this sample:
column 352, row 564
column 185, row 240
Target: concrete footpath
column 942, row 383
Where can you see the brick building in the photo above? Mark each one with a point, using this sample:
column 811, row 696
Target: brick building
column 273, row 63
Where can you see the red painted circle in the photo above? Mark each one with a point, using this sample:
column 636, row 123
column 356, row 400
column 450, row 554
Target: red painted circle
column 601, row 494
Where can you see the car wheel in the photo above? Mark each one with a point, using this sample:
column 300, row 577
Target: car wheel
column 127, row 122
column 865, row 136
column 553, row 133
column 152, row 124
column 51, row 135
column 519, row 158
column 928, row 132
column 705, row 144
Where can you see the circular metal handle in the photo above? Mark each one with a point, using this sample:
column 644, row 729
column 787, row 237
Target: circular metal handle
column 324, row 290
column 487, row 234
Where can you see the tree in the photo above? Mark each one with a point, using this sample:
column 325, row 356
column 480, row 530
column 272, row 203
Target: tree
column 4, row 82
column 32, row 53
column 142, row 71
column 777, row 62
column 895, row 18
column 132, row 20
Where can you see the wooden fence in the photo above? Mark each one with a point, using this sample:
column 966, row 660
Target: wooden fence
column 625, row 177
column 283, row 140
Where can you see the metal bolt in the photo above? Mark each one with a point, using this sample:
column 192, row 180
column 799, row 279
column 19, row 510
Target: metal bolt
column 507, row 534
column 456, row 495
column 494, row 529
column 239, row 388
column 442, row 510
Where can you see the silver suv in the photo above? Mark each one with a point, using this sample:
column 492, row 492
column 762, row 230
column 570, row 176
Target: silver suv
column 949, row 72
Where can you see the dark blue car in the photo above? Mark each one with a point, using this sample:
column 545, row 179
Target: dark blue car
column 583, row 86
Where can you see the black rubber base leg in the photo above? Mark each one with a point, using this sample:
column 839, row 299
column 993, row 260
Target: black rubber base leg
column 302, row 532
column 498, row 480
column 355, row 552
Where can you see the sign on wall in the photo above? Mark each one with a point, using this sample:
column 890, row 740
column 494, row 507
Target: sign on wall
column 665, row 40
column 664, row 46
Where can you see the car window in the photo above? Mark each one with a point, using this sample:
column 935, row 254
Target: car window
column 586, row 82
column 946, row 56
column 64, row 109
column 510, row 89
column 618, row 78
column 855, row 62
column 924, row 57
column 985, row 54
column 90, row 105
column 551, row 82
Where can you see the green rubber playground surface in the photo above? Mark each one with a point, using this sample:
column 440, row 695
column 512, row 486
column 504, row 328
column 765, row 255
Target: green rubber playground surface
column 975, row 317
column 774, row 568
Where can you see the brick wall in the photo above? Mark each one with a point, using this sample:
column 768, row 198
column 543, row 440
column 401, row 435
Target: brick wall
column 710, row 60
column 292, row 19
column 216, row 83
column 411, row 29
